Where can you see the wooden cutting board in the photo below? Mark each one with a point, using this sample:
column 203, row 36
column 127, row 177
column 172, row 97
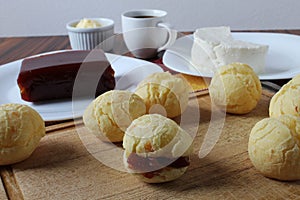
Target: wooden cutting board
column 2, row 192
column 63, row 168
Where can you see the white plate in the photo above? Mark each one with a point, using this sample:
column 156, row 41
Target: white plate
column 128, row 73
column 282, row 61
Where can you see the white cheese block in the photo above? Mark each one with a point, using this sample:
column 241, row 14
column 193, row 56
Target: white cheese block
column 214, row 47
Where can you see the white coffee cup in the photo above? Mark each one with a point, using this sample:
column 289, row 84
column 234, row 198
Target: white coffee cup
column 146, row 32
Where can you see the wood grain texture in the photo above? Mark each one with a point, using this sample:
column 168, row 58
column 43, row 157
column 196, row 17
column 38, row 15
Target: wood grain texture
column 2, row 190
column 12, row 188
column 15, row 48
column 62, row 168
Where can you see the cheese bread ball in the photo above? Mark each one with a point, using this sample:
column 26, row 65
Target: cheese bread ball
column 287, row 99
column 164, row 93
column 21, row 129
column 156, row 149
column 236, row 88
column 111, row 113
column 274, row 147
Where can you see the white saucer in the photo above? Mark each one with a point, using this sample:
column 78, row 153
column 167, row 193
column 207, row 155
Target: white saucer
column 282, row 62
column 128, row 73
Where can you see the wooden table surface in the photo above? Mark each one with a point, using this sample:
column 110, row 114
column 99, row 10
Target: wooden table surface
column 62, row 168
column 14, row 48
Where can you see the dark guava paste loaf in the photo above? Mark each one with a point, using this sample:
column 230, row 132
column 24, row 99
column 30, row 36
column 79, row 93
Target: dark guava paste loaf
column 52, row 76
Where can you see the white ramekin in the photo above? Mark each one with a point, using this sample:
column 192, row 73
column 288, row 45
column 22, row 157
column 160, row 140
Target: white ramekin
column 90, row 38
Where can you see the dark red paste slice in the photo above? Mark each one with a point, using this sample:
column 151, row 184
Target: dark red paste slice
column 52, row 76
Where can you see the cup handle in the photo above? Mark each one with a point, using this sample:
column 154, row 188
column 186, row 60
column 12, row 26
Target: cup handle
column 172, row 35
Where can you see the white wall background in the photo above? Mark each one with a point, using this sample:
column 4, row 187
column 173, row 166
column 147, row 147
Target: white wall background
column 48, row 17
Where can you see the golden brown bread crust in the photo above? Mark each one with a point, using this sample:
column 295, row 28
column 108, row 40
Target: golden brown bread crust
column 156, row 138
column 235, row 87
column 21, row 129
column 166, row 90
column 287, row 99
column 274, row 147
column 111, row 113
